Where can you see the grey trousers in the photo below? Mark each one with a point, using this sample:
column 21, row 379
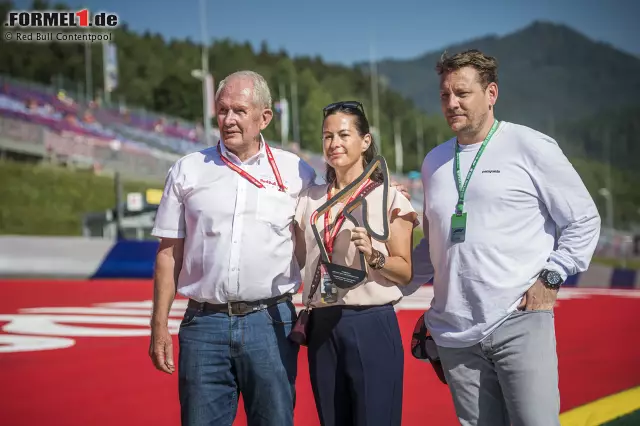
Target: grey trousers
column 510, row 378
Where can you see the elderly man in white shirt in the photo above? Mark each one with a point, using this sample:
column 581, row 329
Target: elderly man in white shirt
column 226, row 244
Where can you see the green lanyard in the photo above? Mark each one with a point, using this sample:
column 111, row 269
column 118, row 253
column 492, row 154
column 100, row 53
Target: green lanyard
column 463, row 189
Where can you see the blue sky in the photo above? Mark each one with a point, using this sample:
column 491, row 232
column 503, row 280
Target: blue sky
column 341, row 30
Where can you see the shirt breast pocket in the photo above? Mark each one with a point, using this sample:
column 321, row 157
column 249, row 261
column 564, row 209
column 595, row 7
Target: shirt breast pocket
column 275, row 208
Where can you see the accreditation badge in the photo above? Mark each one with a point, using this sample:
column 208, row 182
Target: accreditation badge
column 458, row 227
column 328, row 289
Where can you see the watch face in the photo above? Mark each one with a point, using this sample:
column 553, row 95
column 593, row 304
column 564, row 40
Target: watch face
column 553, row 278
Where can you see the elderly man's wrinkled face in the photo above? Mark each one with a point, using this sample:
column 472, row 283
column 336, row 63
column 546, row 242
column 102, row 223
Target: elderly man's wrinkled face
column 240, row 119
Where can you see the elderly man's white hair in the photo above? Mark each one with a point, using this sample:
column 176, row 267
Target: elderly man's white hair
column 261, row 92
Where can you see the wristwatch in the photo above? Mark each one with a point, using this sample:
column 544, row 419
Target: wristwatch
column 378, row 260
column 551, row 279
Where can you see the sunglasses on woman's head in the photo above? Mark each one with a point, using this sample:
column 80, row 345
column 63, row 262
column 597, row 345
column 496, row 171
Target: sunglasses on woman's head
column 342, row 104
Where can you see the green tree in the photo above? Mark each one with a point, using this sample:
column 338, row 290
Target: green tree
column 311, row 112
column 178, row 96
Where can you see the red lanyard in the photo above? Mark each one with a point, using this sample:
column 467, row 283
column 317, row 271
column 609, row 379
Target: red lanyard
column 247, row 176
column 330, row 237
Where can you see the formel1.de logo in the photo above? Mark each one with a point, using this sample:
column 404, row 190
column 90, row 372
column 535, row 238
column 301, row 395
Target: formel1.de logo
column 60, row 19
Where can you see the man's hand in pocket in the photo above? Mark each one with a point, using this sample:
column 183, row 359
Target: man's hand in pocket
column 538, row 297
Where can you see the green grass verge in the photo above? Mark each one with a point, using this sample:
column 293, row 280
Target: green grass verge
column 618, row 263
column 631, row 419
column 417, row 235
column 51, row 200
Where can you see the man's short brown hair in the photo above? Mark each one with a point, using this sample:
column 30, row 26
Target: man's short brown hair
column 487, row 66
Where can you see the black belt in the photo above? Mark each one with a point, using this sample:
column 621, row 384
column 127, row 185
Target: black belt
column 238, row 308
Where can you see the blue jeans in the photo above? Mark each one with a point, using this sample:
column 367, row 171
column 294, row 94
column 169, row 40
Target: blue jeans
column 222, row 356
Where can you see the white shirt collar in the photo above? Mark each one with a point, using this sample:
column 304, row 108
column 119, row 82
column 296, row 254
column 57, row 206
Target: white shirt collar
column 262, row 152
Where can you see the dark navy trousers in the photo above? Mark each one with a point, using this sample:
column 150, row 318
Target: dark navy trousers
column 356, row 364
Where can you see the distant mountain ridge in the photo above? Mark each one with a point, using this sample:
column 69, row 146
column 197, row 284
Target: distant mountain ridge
column 548, row 74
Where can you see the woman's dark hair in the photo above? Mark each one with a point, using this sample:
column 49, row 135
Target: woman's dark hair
column 356, row 110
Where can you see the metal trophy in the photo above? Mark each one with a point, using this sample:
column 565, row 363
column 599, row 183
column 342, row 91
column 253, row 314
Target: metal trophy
column 343, row 276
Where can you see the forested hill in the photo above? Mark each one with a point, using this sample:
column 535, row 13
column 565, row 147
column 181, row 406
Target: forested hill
column 548, row 74
column 156, row 74
column 584, row 93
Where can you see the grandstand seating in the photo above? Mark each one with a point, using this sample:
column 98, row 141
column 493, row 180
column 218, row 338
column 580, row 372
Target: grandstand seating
column 132, row 130
column 60, row 112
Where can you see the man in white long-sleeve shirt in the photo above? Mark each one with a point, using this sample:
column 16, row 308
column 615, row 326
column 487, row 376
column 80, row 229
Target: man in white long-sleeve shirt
column 507, row 219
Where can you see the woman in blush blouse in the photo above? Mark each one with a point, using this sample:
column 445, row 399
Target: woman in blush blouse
column 354, row 345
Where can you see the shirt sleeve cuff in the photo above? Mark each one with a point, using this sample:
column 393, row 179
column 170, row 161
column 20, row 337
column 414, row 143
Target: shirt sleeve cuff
column 161, row 233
